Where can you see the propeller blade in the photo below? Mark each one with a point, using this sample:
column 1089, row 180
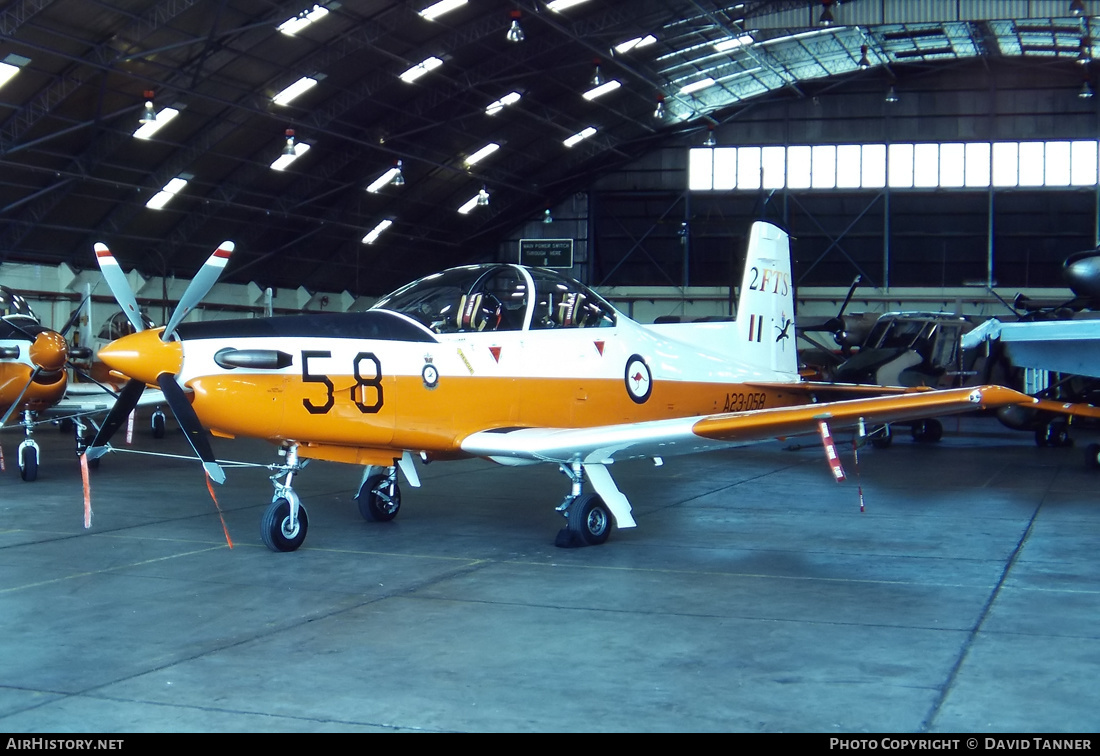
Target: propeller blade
column 118, row 284
column 197, row 436
column 203, row 281
column 19, row 399
column 73, row 317
column 127, row 400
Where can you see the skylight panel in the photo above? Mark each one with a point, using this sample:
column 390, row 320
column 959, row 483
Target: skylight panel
column 436, row 10
column 295, row 90
column 607, row 86
column 559, row 5
column 375, row 232
column 733, row 43
column 146, row 130
column 294, row 25
column 695, row 86
column 636, row 43
column 421, row 68
column 483, row 153
column 170, row 190
column 281, row 162
column 579, row 136
column 498, row 105
column 10, row 67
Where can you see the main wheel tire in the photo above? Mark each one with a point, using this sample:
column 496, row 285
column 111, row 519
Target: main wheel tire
column 275, row 530
column 1055, row 433
column 1092, row 456
column 927, row 431
column 590, row 520
column 29, row 469
column 374, row 507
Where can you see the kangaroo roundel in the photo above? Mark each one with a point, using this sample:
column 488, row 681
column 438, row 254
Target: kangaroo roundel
column 639, row 381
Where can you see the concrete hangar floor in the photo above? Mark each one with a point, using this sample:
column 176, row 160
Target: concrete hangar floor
column 754, row 596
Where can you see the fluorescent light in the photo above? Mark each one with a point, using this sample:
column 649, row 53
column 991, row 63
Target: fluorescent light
column 420, row 69
column 283, row 161
column 148, row 129
column 607, row 86
column 559, row 5
column 579, row 136
column 377, row 231
column 631, row 44
column 381, row 181
column 695, row 86
column 294, row 25
column 7, row 71
column 438, row 9
column 170, row 190
column 734, row 42
column 509, row 99
column 484, row 152
column 303, row 84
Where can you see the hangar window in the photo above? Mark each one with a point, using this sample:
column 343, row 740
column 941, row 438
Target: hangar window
column 927, row 165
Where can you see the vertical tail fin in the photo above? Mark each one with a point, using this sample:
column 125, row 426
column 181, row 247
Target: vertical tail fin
column 765, row 309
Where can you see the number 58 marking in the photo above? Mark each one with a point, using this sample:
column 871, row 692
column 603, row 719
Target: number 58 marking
column 358, row 391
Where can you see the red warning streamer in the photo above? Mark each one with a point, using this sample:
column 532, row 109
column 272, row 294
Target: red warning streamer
column 87, row 491
column 830, row 451
column 210, row 488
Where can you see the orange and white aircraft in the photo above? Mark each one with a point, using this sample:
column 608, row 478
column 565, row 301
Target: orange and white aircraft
column 513, row 364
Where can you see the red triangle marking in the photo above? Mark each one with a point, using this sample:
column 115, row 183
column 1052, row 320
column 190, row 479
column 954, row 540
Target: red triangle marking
column 599, row 347
column 496, row 353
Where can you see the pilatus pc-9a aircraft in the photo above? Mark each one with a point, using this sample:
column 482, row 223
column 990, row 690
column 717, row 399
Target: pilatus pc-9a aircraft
column 513, row 364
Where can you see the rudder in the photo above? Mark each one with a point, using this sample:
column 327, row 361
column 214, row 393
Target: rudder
column 765, row 309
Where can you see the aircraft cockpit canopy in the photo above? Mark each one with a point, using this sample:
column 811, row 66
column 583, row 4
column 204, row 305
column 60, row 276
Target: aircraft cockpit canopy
column 13, row 305
column 499, row 298
column 118, row 325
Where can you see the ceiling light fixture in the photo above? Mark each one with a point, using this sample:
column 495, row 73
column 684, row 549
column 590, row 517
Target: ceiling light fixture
column 659, row 111
column 436, row 10
column 1086, row 91
column 546, row 217
column 292, row 26
column 710, row 141
column 375, row 232
column 149, row 114
column 421, row 68
column 632, row 44
column 148, row 128
column 864, row 61
column 392, row 175
column 695, row 86
column 597, row 79
column 291, row 151
column 295, row 90
column 826, row 13
column 733, row 43
column 515, row 31
column 1084, row 52
column 891, row 94
column 1077, row 8
column 483, row 197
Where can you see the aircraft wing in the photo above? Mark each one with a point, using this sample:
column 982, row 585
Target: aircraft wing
column 656, row 438
column 1061, row 346
column 89, row 399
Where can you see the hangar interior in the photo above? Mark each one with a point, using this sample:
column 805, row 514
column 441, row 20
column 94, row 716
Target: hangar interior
column 428, row 136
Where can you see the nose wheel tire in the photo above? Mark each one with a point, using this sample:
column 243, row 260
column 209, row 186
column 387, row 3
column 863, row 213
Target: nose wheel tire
column 590, row 520
column 28, row 468
column 276, row 530
column 378, row 502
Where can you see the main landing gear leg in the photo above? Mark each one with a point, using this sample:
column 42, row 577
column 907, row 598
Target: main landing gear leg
column 284, row 524
column 379, row 494
column 85, row 433
column 28, row 450
column 588, row 520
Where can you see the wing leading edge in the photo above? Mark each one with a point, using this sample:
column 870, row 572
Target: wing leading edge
column 656, row 438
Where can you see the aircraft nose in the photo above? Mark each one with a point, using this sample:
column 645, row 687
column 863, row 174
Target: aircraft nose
column 143, row 356
column 48, row 352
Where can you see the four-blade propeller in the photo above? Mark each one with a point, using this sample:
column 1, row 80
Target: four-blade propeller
column 166, row 370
